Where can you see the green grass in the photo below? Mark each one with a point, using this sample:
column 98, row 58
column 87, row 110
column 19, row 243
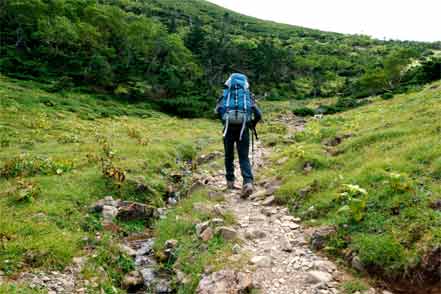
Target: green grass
column 51, row 171
column 18, row 289
column 354, row 286
column 193, row 256
column 394, row 153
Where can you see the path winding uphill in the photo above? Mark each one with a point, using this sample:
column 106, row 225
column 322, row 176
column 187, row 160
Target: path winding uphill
column 280, row 258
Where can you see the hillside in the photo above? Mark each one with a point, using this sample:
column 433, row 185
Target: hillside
column 371, row 173
column 57, row 156
column 175, row 54
column 112, row 171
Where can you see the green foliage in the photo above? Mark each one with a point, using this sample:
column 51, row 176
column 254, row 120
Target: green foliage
column 162, row 51
column 192, row 254
column 6, row 288
column 24, row 165
column 354, row 200
column 381, row 251
column 26, row 191
column 45, row 220
column 115, row 264
column 304, row 111
column 387, row 96
column 386, row 148
column 354, row 286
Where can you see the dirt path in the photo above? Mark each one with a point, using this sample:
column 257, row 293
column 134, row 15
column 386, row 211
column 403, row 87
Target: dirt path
column 281, row 260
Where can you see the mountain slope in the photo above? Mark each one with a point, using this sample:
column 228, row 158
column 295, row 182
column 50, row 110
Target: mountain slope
column 177, row 53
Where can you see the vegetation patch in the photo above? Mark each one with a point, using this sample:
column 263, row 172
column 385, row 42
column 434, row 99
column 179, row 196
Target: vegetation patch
column 192, row 255
column 376, row 185
column 61, row 155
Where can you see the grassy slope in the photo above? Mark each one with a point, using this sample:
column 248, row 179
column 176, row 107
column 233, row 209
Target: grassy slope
column 394, row 154
column 54, row 142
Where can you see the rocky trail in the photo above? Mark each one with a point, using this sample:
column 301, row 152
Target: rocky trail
column 280, row 256
column 281, row 259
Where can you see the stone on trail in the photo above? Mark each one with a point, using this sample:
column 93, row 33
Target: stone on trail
column 268, row 211
column 321, row 235
column 148, row 275
column 357, row 264
column 217, row 222
column 171, row 244
column 325, row 266
column 285, row 244
column 207, row 234
column 127, row 250
column 269, row 201
column 236, row 249
column 225, row 281
column 255, row 218
column 258, row 195
column 219, row 210
column 108, row 200
column 163, row 287
column 227, row 233
column 133, row 281
column 271, row 190
column 254, row 234
column 318, row 277
column 290, row 225
column 109, row 212
column 201, row 227
column 261, row 261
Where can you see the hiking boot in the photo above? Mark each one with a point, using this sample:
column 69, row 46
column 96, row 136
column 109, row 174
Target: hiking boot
column 247, row 190
column 230, row 185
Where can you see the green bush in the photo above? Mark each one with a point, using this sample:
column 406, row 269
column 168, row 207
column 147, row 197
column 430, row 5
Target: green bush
column 387, row 96
column 190, row 107
column 379, row 251
column 303, row 111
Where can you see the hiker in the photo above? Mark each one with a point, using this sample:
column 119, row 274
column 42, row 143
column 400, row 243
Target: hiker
column 239, row 114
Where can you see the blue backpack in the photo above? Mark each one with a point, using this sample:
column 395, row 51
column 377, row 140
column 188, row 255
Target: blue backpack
column 236, row 104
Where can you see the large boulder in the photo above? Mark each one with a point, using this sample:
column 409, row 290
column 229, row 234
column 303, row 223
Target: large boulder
column 129, row 211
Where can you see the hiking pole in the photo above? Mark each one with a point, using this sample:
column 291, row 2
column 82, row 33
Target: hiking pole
column 252, row 147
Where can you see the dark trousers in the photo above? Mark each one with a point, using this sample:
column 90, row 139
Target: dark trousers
column 243, row 148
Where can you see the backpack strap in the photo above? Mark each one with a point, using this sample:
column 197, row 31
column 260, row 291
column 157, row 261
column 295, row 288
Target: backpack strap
column 228, row 100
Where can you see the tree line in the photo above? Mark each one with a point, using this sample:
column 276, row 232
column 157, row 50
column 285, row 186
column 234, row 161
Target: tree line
column 177, row 53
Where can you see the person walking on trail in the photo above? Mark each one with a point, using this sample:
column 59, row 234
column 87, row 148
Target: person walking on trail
column 239, row 114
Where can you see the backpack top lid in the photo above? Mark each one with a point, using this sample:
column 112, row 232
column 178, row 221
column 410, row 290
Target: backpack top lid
column 238, row 79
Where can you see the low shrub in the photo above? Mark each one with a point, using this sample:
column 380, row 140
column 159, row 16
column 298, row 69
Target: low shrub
column 303, row 111
column 379, row 251
column 25, row 165
column 387, row 96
